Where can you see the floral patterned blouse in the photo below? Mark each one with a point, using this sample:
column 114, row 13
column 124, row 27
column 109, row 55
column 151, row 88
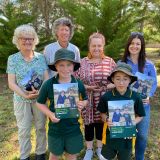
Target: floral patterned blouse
column 90, row 74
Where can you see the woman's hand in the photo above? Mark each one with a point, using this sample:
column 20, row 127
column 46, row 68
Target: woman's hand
column 145, row 101
column 91, row 88
column 32, row 94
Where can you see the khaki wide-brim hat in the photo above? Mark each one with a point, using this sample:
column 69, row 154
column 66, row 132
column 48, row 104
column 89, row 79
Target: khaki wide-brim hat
column 64, row 54
column 125, row 68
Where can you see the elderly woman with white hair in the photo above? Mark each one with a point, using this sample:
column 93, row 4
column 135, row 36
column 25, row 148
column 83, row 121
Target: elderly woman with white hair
column 27, row 70
column 63, row 31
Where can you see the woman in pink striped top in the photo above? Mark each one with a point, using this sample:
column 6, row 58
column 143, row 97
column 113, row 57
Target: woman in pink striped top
column 94, row 70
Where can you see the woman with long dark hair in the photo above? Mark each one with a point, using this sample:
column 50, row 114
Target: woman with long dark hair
column 135, row 55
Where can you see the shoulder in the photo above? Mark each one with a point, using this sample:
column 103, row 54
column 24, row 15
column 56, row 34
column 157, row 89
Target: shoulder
column 37, row 54
column 149, row 63
column 107, row 95
column 40, row 56
column 85, row 59
column 135, row 95
column 14, row 57
column 49, row 82
column 73, row 47
column 51, row 45
column 109, row 60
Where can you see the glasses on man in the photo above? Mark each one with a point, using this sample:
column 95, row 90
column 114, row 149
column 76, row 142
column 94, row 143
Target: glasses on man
column 136, row 34
column 26, row 39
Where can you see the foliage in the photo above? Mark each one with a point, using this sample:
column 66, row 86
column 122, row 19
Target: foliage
column 12, row 17
column 113, row 18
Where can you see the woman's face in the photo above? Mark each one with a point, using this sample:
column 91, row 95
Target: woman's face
column 96, row 47
column 135, row 47
column 26, row 42
column 63, row 33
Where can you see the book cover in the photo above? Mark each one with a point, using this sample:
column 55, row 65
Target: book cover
column 121, row 114
column 143, row 85
column 65, row 99
column 31, row 79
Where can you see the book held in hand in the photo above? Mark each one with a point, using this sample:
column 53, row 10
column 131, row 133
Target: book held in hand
column 32, row 78
column 143, row 85
column 65, row 99
column 121, row 114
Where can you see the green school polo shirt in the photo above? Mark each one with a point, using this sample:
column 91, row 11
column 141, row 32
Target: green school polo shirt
column 67, row 127
column 120, row 143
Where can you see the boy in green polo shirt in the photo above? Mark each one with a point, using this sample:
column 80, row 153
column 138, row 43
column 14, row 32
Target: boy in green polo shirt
column 64, row 135
column 121, row 77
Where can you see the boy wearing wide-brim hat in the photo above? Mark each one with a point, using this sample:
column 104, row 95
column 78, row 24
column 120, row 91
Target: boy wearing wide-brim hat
column 121, row 77
column 63, row 135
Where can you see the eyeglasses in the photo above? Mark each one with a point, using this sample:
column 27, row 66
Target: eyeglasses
column 136, row 34
column 125, row 80
column 26, row 39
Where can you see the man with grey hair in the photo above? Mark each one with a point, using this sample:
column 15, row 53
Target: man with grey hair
column 63, row 31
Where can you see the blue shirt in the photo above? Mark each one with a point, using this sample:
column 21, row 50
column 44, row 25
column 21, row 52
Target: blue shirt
column 149, row 70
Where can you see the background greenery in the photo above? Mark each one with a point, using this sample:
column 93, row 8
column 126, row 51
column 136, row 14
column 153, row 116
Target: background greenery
column 114, row 18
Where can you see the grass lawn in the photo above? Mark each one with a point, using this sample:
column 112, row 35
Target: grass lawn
column 9, row 148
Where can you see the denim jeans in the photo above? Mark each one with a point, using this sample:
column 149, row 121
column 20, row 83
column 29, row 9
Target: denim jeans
column 142, row 135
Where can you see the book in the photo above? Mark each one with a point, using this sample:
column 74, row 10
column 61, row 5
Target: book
column 143, row 85
column 65, row 99
column 121, row 114
column 32, row 78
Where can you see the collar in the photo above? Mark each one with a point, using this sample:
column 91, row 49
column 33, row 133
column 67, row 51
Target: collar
column 73, row 79
column 61, row 46
column 128, row 93
column 34, row 57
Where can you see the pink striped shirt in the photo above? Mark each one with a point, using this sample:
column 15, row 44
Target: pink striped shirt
column 91, row 74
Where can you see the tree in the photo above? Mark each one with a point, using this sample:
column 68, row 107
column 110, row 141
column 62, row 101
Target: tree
column 12, row 17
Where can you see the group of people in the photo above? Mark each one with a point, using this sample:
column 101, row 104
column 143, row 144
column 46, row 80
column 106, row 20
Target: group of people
column 99, row 80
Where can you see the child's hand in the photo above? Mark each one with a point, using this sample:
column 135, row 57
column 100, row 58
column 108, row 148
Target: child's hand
column 110, row 123
column 80, row 105
column 53, row 118
column 128, row 137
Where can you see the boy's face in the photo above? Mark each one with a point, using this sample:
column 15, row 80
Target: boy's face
column 121, row 81
column 64, row 68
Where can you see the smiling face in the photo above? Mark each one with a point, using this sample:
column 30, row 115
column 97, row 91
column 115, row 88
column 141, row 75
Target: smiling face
column 121, row 81
column 26, row 42
column 96, row 47
column 63, row 33
column 135, row 47
column 65, row 69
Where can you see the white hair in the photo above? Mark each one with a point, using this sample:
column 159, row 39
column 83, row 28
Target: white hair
column 63, row 21
column 22, row 30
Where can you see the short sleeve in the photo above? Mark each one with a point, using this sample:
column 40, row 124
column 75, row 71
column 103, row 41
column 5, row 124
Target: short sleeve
column 103, row 105
column 139, row 108
column 11, row 65
column 43, row 94
column 82, row 91
column 44, row 62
